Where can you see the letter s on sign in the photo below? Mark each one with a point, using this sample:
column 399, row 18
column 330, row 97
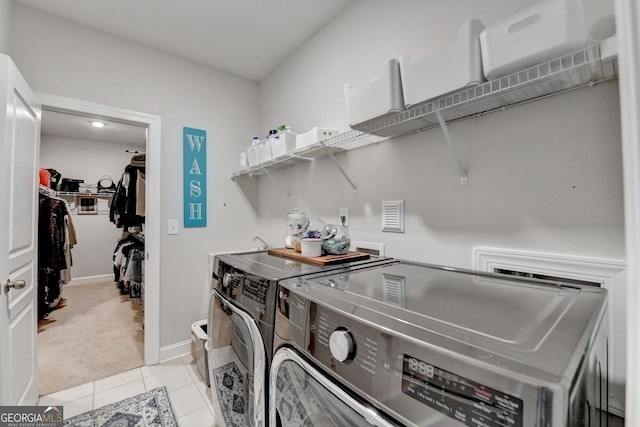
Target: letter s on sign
column 194, row 188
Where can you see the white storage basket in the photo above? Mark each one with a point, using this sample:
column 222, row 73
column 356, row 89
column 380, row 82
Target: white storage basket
column 252, row 155
column 282, row 143
column 314, row 135
column 377, row 98
column 264, row 151
column 541, row 32
column 455, row 66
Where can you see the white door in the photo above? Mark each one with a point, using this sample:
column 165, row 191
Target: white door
column 19, row 139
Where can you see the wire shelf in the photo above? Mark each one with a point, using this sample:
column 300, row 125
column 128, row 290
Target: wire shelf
column 582, row 68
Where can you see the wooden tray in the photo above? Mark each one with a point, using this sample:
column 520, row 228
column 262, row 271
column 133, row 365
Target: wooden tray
column 319, row 260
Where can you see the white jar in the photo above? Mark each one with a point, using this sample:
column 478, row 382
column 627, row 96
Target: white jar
column 311, row 247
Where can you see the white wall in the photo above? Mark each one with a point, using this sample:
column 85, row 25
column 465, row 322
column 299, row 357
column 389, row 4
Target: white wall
column 61, row 58
column 88, row 160
column 5, row 24
column 545, row 176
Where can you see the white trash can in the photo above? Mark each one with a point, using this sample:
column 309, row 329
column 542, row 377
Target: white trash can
column 198, row 351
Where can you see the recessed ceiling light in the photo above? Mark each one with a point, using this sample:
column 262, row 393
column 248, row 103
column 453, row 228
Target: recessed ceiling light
column 97, row 124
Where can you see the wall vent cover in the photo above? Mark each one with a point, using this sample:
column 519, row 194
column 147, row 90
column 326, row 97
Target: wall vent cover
column 393, row 216
column 519, row 272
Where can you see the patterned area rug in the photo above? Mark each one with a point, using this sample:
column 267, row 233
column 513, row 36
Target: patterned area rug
column 150, row 409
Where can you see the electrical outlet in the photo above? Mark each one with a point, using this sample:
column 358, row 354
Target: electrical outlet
column 172, row 227
column 344, row 216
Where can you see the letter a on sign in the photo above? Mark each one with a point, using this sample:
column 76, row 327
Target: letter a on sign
column 195, row 177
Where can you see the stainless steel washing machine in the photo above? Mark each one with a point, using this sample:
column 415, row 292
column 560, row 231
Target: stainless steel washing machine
column 422, row 345
column 240, row 328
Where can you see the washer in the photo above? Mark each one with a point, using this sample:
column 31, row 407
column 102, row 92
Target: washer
column 423, row 345
column 241, row 324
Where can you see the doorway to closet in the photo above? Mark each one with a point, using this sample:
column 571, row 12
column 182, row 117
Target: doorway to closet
column 131, row 336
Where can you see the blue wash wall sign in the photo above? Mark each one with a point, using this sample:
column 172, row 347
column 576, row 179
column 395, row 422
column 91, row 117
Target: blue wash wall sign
column 195, row 177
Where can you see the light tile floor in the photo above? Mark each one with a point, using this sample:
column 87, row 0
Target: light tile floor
column 190, row 397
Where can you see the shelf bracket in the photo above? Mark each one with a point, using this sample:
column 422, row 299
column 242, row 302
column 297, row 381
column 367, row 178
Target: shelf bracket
column 277, row 183
column 445, row 130
column 353, row 186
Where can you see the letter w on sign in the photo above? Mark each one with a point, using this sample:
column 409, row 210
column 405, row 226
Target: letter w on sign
column 195, row 177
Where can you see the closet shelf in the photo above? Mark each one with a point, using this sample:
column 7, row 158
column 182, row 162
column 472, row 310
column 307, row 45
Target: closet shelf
column 74, row 196
column 581, row 68
column 84, row 193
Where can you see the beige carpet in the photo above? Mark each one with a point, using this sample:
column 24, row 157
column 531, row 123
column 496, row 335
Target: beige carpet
column 94, row 333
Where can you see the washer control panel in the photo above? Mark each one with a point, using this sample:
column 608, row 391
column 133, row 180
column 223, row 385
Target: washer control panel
column 469, row 402
column 256, row 290
column 406, row 376
column 254, row 293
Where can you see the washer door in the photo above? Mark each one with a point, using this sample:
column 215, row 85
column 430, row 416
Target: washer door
column 301, row 394
column 237, row 364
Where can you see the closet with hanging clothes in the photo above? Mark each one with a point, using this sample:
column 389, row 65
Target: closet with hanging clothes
column 99, row 331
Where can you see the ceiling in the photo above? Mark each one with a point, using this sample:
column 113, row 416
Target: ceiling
column 248, row 38
column 74, row 126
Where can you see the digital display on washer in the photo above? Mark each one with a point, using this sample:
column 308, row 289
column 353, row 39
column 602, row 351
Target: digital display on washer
column 257, row 291
column 459, row 398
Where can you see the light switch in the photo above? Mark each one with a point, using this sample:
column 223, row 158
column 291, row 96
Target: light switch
column 173, row 226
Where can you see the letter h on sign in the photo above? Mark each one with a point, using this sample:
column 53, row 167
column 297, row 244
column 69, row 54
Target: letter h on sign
column 195, row 177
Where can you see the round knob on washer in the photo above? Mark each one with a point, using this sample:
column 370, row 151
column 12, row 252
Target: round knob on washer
column 342, row 345
column 227, row 280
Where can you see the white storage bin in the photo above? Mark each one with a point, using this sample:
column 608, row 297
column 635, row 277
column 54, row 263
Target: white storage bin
column 455, row 66
column 264, row 151
column 541, row 32
column 252, row 155
column 282, row 143
column 377, row 98
column 314, row 135
column 198, row 351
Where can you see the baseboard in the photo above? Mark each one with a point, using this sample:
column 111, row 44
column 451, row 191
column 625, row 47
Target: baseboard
column 87, row 280
column 175, row 351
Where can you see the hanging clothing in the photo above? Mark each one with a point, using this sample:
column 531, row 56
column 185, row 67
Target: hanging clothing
column 133, row 272
column 124, row 210
column 128, row 257
column 140, row 194
column 70, row 241
column 51, row 233
column 54, row 251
